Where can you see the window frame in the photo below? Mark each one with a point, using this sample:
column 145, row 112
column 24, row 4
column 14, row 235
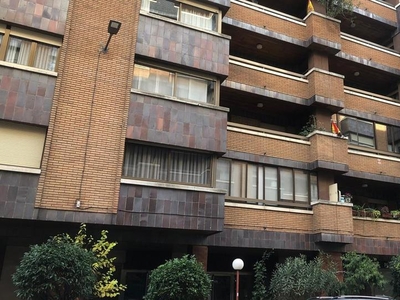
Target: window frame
column 244, row 181
column 169, row 151
column 176, row 72
column 193, row 4
column 34, row 38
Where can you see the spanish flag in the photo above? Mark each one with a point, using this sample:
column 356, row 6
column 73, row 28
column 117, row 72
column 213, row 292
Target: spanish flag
column 310, row 7
column 335, row 128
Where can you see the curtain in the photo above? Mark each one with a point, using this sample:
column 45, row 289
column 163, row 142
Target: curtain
column 145, row 162
column 146, row 5
column 222, row 176
column 18, row 51
column 153, row 80
column 191, row 88
column 190, row 168
column 301, row 186
column 286, row 180
column 198, row 17
column 271, row 183
column 46, row 57
column 251, row 181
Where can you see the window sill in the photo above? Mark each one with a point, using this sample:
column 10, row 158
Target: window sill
column 18, row 169
column 27, row 68
column 174, row 186
column 271, row 208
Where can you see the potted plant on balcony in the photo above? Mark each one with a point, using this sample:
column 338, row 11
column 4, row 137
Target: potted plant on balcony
column 385, row 213
column 358, row 210
column 348, row 197
column 337, row 7
column 395, row 214
column 373, row 213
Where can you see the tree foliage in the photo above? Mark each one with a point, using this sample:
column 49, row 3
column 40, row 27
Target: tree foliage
column 337, row 7
column 394, row 266
column 179, row 279
column 360, row 272
column 60, row 269
column 299, row 279
column 260, row 291
column 55, row 271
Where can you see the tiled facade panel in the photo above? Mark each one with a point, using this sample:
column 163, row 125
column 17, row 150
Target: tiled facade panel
column 17, row 195
column 387, row 60
column 167, row 208
column 174, row 43
column 260, row 219
column 25, row 96
column 271, row 147
column 273, row 24
column 268, row 81
column 264, row 239
column 175, row 123
column 374, row 165
column 378, row 10
column 40, row 14
column 374, row 246
column 358, row 103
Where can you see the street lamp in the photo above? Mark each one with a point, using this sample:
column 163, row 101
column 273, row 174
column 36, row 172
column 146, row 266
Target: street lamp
column 237, row 265
column 113, row 28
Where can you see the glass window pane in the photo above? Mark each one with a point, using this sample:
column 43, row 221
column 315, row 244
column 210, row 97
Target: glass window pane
column 18, row 51
column 190, row 167
column 192, row 88
column 222, row 176
column 393, row 139
column 251, row 181
column 237, row 179
column 271, row 183
column 199, row 17
column 145, row 162
column 260, row 183
column 314, row 187
column 301, row 185
column 46, row 57
column 1, row 38
column 286, row 181
column 165, row 8
column 153, row 80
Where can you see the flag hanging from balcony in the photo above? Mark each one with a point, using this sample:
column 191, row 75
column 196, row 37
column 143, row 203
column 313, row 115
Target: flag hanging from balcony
column 310, row 7
column 335, row 128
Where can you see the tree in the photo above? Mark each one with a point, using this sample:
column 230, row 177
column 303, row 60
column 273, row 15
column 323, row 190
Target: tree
column 299, row 279
column 360, row 273
column 394, row 267
column 179, row 279
column 55, row 271
column 337, row 7
column 260, row 291
column 68, row 280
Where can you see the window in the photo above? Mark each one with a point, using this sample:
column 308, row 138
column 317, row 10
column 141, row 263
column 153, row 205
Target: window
column 162, row 164
column 175, row 84
column 393, row 137
column 359, row 132
column 260, row 182
column 194, row 14
column 23, row 47
column 21, row 145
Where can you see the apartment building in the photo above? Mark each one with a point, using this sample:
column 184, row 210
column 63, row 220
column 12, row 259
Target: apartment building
column 194, row 131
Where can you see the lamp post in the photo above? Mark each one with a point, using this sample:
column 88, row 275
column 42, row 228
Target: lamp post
column 113, row 28
column 237, row 265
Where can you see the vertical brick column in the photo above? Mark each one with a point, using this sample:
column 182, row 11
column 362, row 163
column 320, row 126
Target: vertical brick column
column 201, row 253
column 85, row 142
column 335, row 258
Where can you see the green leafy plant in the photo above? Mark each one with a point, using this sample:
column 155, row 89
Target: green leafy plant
column 373, row 213
column 179, row 279
column 394, row 267
column 395, row 214
column 337, row 7
column 55, row 270
column 310, row 126
column 299, row 279
column 360, row 272
column 260, row 291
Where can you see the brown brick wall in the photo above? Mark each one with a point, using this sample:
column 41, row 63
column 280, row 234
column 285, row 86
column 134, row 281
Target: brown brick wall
column 369, row 106
column 274, row 148
column 323, row 28
column 44, row 15
column 325, row 85
column 374, row 165
column 84, row 147
column 379, row 10
column 328, row 148
column 259, row 219
column 275, row 24
column 368, row 53
column 268, row 81
column 332, row 218
column 377, row 229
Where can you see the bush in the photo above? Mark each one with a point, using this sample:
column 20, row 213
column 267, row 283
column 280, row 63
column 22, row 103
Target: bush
column 179, row 279
column 299, row 279
column 360, row 273
column 55, row 271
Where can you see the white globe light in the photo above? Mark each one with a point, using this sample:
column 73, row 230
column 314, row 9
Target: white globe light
column 237, row 264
